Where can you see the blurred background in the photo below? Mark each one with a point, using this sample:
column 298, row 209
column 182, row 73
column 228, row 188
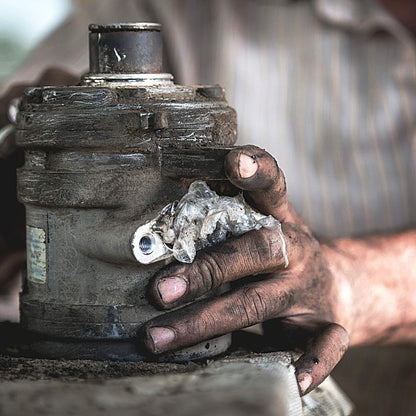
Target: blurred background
column 23, row 25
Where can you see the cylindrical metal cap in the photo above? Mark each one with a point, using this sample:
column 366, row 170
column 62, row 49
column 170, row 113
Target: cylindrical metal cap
column 125, row 48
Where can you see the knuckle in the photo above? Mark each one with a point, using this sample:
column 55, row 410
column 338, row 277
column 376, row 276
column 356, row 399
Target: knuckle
column 201, row 326
column 207, row 273
column 293, row 234
column 300, row 243
column 255, row 305
column 268, row 246
column 312, row 243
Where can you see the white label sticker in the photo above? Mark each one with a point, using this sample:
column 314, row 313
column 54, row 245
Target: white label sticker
column 36, row 254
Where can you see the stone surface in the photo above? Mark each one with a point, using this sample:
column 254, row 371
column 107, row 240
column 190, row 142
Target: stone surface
column 257, row 384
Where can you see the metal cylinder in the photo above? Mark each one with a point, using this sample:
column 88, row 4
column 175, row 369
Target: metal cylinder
column 101, row 159
column 125, row 48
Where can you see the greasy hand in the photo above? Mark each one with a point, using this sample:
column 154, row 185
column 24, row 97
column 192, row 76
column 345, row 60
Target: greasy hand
column 298, row 301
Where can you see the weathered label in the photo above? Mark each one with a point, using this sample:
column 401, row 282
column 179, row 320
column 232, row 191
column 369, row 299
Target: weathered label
column 36, row 254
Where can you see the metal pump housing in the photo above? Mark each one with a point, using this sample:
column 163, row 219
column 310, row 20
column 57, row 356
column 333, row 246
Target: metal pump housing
column 101, row 159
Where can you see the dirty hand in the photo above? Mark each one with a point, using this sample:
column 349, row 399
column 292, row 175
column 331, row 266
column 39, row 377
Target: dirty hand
column 298, row 301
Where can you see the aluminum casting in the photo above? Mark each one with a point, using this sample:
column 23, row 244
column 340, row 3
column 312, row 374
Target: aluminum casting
column 102, row 159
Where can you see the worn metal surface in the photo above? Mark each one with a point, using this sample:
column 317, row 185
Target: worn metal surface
column 101, row 159
column 125, row 48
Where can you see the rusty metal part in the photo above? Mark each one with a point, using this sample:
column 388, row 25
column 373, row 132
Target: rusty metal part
column 125, row 48
column 102, row 159
column 125, row 54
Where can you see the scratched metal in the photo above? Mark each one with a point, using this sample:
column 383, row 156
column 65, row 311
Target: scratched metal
column 101, row 158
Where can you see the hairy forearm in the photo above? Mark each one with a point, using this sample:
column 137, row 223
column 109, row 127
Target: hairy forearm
column 375, row 287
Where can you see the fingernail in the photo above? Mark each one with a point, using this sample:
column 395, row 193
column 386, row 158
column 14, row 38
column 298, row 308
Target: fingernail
column 171, row 288
column 304, row 381
column 247, row 166
column 161, row 337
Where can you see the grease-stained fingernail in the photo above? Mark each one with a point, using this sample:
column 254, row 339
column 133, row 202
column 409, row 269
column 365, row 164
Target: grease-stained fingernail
column 161, row 338
column 247, row 166
column 304, row 381
column 171, row 288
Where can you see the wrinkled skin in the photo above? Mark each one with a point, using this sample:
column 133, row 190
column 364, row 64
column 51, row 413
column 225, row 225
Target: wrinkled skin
column 297, row 302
